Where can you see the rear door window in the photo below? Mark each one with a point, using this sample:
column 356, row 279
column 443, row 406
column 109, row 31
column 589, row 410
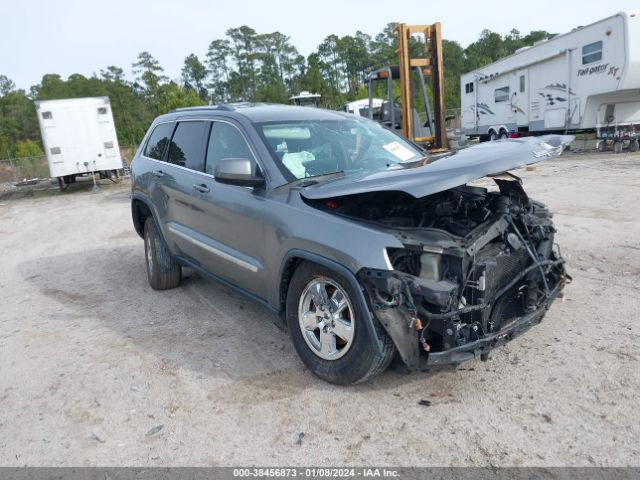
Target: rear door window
column 226, row 141
column 187, row 145
column 158, row 141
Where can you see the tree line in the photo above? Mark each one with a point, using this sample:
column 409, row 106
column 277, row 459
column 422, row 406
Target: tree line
column 243, row 66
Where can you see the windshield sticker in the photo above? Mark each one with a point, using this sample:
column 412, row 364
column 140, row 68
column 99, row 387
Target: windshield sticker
column 399, row 151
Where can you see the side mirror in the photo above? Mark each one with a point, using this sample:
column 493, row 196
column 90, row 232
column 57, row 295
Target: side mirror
column 237, row 171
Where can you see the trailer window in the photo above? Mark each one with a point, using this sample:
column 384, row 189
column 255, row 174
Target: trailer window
column 102, row 111
column 501, row 94
column 468, row 87
column 158, row 141
column 592, row 52
column 47, row 116
column 521, row 83
column 187, row 145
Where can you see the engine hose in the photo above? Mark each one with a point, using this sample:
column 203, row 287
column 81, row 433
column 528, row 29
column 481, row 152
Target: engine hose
column 442, row 316
column 535, row 259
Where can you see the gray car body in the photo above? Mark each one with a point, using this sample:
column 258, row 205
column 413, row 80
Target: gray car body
column 259, row 227
column 249, row 238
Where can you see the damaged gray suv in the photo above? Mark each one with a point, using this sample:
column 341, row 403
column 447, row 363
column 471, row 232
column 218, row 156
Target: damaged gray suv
column 365, row 245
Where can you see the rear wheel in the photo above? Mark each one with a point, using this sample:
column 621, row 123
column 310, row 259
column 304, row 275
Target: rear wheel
column 633, row 145
column 503, row 135
column 493, row 136
column 602, row 146
column 327, row 328
column 163, row 272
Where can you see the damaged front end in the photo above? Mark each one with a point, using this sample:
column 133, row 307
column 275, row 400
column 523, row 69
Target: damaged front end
column 478, row 268
column 478, row 264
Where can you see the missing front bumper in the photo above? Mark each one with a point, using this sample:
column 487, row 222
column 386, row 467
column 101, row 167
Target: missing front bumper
column 484, row 345
column 400, row 324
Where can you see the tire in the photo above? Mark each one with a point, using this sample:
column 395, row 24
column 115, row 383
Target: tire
column 353, row 357
column 602, row 146
column 633, row 145
column 493, row 136
column 503, row 135
column 163, row 272
column 617, row 147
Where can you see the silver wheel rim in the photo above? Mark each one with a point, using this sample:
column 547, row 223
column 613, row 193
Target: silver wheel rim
column 326, row 318
column 149, row 255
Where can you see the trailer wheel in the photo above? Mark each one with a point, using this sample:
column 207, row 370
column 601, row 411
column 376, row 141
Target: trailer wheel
column 61, row 183
column 503, row 135
column 602, row 146
column 617, row 147
column 493, row 136
column 163, row 272
column 633, row 145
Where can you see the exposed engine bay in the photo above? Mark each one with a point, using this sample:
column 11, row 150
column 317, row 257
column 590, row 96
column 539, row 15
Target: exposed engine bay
column 478, row 267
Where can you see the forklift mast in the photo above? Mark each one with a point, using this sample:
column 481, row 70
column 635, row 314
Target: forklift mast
column 427, row 67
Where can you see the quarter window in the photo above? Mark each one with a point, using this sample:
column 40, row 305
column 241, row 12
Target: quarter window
column 226, row 141
column 592, row 52
column 158, row 141
column 501, row 94
column 187, row 145
column 521, row 83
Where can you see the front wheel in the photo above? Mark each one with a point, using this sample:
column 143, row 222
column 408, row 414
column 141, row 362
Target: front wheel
column 633, row 145
column 327, row 328
column 504, row 135
column 602, row 146
column 163, row 272
column 617, row 147
column 493, row 136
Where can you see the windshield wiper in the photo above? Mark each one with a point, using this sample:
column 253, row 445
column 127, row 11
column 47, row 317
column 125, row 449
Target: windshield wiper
column 313, row 179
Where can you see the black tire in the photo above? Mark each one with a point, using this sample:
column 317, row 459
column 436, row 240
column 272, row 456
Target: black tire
column 617, row 147
column 602, row 146
column 362, row 361
column 633, row 145
column 503, row 135
column 493, row 136
column 163, row 272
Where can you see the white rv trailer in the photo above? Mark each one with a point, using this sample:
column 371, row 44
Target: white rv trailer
column 79, row 137
column 584, row 80
column 361, row 107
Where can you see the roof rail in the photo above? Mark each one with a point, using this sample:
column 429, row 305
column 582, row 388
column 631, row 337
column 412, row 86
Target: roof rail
column 203, row 107
column 225, row 107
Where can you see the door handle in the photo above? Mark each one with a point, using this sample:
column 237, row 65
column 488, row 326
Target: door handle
column 158, row 173
column 201, row 187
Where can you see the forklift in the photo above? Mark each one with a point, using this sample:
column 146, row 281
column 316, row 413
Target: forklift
column 426, row 128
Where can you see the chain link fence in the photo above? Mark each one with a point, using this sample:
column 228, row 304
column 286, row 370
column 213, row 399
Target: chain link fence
column 16, row 170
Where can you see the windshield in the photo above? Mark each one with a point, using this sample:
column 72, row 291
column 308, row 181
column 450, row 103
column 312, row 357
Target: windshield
column 305, row 149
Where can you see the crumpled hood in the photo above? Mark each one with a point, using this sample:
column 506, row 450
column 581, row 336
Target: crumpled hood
column 448, row 170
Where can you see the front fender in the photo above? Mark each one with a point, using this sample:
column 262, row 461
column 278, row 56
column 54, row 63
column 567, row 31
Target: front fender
column 346, row 273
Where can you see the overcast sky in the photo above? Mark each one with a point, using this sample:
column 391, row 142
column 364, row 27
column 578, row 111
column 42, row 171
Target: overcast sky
column 84, row 36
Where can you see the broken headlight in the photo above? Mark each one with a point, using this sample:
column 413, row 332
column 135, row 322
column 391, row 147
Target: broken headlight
column 425, row 263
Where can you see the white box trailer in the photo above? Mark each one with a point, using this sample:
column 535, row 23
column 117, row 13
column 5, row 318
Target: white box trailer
column 79, row 138
column 584, row 80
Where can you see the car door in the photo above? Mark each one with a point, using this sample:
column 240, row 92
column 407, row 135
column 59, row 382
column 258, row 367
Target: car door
column 231, row 222
column 180, row 178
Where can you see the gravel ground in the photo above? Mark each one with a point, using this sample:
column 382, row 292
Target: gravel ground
column 98, row 369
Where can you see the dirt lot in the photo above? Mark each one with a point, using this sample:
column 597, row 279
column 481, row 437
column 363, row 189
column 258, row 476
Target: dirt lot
column 91, row 359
